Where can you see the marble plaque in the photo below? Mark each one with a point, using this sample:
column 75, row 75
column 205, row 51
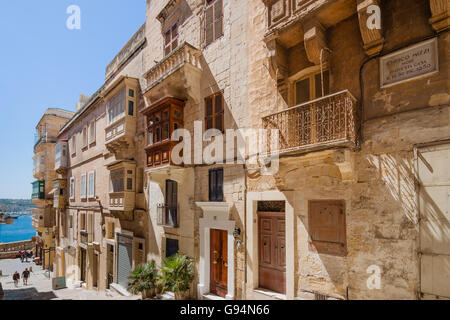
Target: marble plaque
column 410, row 63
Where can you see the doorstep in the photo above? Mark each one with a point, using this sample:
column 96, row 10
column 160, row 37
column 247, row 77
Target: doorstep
column 264, row 294
column 211, row 296
column 121, row 290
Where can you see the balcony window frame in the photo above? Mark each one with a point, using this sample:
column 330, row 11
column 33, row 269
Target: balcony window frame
column 211, row 4
column 117, row 179
column 91, row 195
column 83, row 188
column 215, row 186
column 92, row 132
column 213, row 116
column 72, row 188
column 173, row 39
column 310, row 75
column 73, row 145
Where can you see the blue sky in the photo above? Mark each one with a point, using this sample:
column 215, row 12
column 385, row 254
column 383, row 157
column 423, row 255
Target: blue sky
column 46, row 65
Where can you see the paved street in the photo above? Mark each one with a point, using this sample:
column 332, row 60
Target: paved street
column 40, row 286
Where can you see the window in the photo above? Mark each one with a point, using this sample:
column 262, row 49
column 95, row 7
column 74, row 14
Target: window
column 92, row 132
column 117, row 181
column 91, row 184
column 327, row 226
column 171, row 247
column 74, row 145
column 310, row 88
column 116, row 107
column 72, row 188
column 130, row 108
column 85, row 137
column 214, row 112
column 171, row 38
column 213, row 21
column 171, row 203
column 216, row 184
column 131, row 93
column 83, row 186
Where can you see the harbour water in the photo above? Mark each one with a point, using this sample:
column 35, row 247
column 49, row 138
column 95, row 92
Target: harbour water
column 20, row 230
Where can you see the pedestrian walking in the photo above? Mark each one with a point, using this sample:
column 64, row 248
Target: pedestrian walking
column 25, row 276
column 21, row 253
column 16, row 277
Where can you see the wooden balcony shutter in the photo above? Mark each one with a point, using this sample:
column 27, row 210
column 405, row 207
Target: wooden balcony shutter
column 327, row 226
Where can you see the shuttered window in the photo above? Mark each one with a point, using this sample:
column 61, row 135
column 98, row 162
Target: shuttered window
column 171, row 203
column 214, row 115
column 216, row 184
column 170, row 39
column 213, row 21
column 327, row 226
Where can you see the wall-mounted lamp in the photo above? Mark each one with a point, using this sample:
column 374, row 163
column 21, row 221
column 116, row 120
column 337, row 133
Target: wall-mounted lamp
column 236, row 232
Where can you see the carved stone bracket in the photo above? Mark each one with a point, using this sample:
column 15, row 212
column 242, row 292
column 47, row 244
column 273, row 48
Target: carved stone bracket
column 372, row 37
column 277, row 59
column 440, row 10
column 315, row 42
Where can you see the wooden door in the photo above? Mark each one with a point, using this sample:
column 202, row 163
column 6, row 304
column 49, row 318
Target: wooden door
column 219, row 262
column 272, row 251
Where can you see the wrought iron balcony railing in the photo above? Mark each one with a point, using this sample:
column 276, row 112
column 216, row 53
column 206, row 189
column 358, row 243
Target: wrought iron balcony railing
column 317, row 124
column 167, row 216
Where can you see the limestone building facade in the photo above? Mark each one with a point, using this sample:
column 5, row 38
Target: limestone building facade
column 358, row 93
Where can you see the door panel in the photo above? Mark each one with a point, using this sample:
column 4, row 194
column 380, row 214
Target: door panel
column 219, row 262
column 272, row 251
column 434, row 206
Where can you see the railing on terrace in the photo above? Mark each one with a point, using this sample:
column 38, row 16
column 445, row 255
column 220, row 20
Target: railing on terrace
column 320, row 123
column 184, row 54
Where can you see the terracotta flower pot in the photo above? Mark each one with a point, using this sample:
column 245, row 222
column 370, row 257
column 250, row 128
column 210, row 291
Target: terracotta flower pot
column 182, row 295
column 148, row 294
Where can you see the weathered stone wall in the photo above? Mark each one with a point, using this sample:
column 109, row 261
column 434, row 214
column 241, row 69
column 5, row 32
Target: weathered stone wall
column 381, row 202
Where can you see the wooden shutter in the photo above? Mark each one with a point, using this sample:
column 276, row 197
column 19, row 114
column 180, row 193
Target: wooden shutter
column 209, row 25
column 327, row 226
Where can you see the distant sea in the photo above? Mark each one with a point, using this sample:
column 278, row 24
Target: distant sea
column 20, row 230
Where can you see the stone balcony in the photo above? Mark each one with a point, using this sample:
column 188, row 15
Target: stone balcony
column 177, row 75
column 323, row 123
column 122, row 201
column 120, row 134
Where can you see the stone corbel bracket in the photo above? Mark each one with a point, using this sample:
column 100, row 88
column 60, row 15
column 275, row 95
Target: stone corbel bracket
column 315, row 42
column 440, row 19
column 345, row 161
column 277, row 58
column 372, row 38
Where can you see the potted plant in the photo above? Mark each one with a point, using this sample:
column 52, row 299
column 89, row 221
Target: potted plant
column 143, row 280
column 177, row 275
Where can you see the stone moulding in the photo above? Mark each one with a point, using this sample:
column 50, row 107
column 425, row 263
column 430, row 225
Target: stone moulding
column 315, row 42
column 128, row 50
column 372, row 38
column 440, row 19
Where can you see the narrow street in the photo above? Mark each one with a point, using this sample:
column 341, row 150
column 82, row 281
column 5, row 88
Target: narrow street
column 40, row 286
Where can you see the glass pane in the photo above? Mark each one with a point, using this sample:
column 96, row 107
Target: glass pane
column 165, row 114
column 131, row 93
column 302, row 91
column 218, row 9
column 219, row 121
column 209, row 123
column 209, row 34
column 218, row 28
column 130, row 108
column 150, row 137
column 167, row 38
column 165, row 131
column 209, row 16
column 326, row 84
column 218, row 103
column 158, row 134
column 209, row 106
column 175, row 30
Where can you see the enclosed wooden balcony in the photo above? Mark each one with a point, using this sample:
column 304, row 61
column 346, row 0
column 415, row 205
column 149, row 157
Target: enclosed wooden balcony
column 122, row 191
column 61, row 157
column 319, row 124
column 43, row 218
column 39, row 166
column 38, row 190
column 163, row 118
column 121, row 105
column 177, row 74
column 60, row 194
